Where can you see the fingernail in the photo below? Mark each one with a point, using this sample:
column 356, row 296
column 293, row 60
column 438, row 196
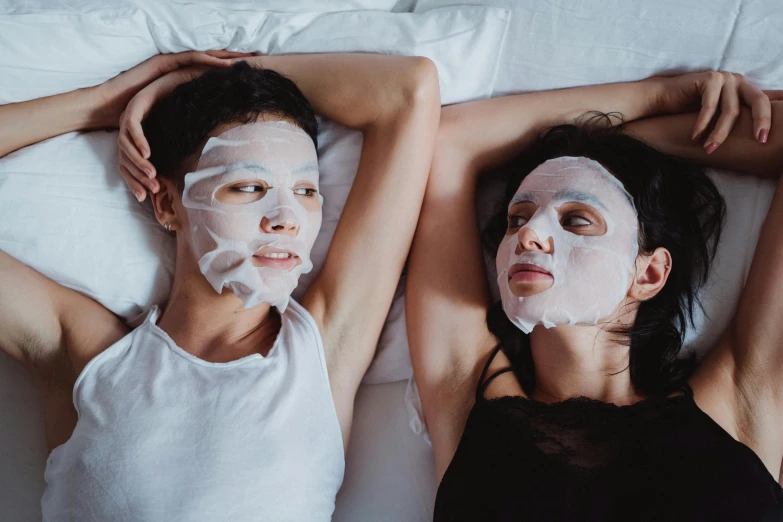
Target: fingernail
column 763, row 135
column 138, row 195
column 146, row 154
column 149, row 172
column 696, row 136
column 710, row 147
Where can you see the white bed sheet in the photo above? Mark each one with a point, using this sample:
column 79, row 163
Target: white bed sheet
column 548, row 44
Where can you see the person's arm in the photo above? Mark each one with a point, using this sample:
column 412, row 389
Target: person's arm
column 53, row 332
column 741, row 152
column 29, row 122
column 740, row 383
column 395, row 102
column 489, row 133
column 447, row 294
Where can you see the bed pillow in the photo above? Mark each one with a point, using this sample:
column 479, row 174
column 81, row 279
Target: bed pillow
column 566, row 43
column 315, row 6
column 64, row 209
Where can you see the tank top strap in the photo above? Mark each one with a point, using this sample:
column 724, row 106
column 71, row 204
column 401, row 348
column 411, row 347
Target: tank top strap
column 484, row 381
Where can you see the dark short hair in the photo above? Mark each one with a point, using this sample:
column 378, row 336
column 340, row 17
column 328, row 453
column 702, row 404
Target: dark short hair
column 178, row 125
column 679, row 208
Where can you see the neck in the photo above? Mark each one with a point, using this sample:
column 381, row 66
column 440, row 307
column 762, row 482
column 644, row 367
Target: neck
column 581, row 361
column 215, row 327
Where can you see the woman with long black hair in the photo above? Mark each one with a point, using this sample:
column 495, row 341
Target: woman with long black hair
column 566, row 399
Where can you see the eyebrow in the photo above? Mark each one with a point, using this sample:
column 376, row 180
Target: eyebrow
column 568, row 195
column 310, row 167
column 581, row 197
column 523, row 197
column 248, row 166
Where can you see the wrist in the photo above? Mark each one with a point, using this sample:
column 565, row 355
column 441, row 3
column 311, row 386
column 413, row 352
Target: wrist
column 98, row 112
column 653, row 96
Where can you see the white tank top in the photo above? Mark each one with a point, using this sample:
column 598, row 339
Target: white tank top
column 165, row 436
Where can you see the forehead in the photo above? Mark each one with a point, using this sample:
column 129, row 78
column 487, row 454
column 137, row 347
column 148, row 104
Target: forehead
column 262, row 147
column 574, row 179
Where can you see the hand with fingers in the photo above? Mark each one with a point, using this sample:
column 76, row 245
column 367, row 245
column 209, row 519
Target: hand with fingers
column 718, row 97
column 128, row 97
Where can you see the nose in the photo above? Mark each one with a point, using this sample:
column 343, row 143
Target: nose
column 528, row 241
column 281, row 221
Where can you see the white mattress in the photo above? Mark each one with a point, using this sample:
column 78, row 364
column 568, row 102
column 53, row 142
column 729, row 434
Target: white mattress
column 491, row 48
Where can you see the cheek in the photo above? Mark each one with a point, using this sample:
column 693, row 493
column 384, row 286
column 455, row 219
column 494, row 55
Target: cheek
column 311, row 227
column 225, row 261
column 232, row 225
column 310, row 204
column 228, row 227
column 594, row 274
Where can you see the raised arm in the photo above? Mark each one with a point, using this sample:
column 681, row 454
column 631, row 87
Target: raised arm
column 447, row 292
column 395, row 102
column 740, row 383
column 489, row 133
column 29, row 122
column 740, row 152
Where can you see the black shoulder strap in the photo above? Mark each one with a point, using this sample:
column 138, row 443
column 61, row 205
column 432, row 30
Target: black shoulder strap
column 484, row 380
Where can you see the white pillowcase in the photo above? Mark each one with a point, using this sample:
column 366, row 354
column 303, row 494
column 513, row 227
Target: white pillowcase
column 552, row 45
column 64, row 209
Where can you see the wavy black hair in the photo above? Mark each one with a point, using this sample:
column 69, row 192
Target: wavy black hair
column 679, row 208
column 179, row 123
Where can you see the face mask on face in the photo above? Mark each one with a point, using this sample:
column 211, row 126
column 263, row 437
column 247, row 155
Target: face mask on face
column 561, row 201
column 254, row 210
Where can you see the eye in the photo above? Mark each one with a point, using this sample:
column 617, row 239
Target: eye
column 305, row 191
column 516, row 221
column 250, row 189
column 575, row 221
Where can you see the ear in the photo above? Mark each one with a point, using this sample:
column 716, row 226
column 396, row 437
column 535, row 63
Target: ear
column 652, row 271
column 164, row 202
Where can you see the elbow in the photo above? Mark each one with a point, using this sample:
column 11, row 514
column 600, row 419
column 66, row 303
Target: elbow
column 416, row 93
column 421, row 86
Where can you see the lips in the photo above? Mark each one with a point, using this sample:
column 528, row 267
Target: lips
column 277, row 258
column 528, row 272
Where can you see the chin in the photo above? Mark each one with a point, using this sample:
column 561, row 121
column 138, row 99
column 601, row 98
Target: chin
column 528, row 289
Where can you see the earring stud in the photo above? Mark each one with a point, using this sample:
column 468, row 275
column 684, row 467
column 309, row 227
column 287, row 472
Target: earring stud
column 167, row 226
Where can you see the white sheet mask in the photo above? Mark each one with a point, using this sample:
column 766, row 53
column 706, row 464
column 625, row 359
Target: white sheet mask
column 225, row 236
column 591, row 273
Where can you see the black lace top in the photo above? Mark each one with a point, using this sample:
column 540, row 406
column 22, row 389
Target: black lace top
column 581, row 459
